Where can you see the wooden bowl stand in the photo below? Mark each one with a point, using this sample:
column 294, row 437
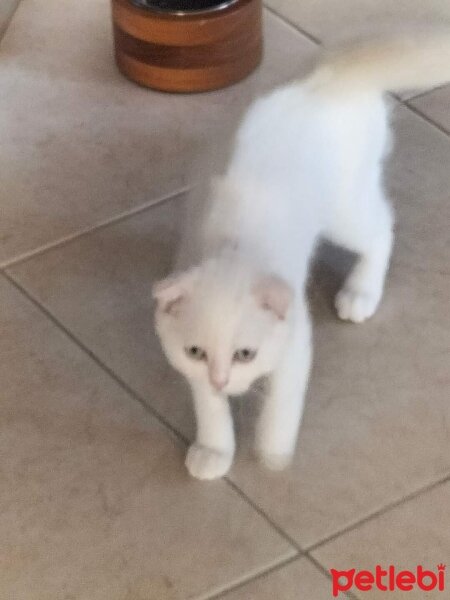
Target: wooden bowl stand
column 190, row 52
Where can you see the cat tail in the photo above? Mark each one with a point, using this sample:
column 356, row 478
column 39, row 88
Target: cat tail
column 378, row 65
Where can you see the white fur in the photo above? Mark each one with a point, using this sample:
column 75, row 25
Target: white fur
column 307, row 162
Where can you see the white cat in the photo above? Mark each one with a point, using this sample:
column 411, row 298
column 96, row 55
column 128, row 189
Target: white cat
column 307, row 162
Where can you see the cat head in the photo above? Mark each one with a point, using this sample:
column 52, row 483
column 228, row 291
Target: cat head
column 223, row 323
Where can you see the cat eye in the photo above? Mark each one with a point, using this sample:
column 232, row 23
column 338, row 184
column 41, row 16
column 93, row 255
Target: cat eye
column 195, row 353
column 244, row 355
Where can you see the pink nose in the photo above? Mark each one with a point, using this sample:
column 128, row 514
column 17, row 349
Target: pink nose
column 219, row 383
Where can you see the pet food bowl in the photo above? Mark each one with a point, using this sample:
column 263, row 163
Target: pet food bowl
column 187, row 45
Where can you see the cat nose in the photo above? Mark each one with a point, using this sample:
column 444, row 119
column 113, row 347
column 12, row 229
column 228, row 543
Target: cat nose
column 219, row 383
column 219, row 374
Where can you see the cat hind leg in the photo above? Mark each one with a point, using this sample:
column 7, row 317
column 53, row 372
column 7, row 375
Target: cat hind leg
column 370, row 235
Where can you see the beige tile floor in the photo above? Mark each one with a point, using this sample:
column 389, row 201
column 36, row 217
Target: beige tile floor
column 94, row 499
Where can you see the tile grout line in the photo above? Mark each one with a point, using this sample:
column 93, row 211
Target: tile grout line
column 118, row 380
column 265, row 516
column 425, row 92
column 251, row 578
column 9, row 20
column 93, row 229
column 273, row 569
column 424, row 117
column 326, row 573
column 295, row 27
column 378, row 513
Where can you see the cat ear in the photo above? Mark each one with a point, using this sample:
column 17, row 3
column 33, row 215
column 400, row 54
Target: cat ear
column 274, row 294
column 169, row 292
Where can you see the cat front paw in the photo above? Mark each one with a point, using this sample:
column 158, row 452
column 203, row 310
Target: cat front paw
column 207, row 463
column 355, row 305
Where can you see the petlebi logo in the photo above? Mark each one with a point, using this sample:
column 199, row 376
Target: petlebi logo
column 388, row 579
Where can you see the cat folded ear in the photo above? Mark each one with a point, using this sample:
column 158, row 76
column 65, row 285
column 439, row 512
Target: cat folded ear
column 274, row 294
column 169, row 292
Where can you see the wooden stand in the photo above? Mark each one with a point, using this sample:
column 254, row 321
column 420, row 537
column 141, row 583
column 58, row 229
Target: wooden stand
column 187, row 52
